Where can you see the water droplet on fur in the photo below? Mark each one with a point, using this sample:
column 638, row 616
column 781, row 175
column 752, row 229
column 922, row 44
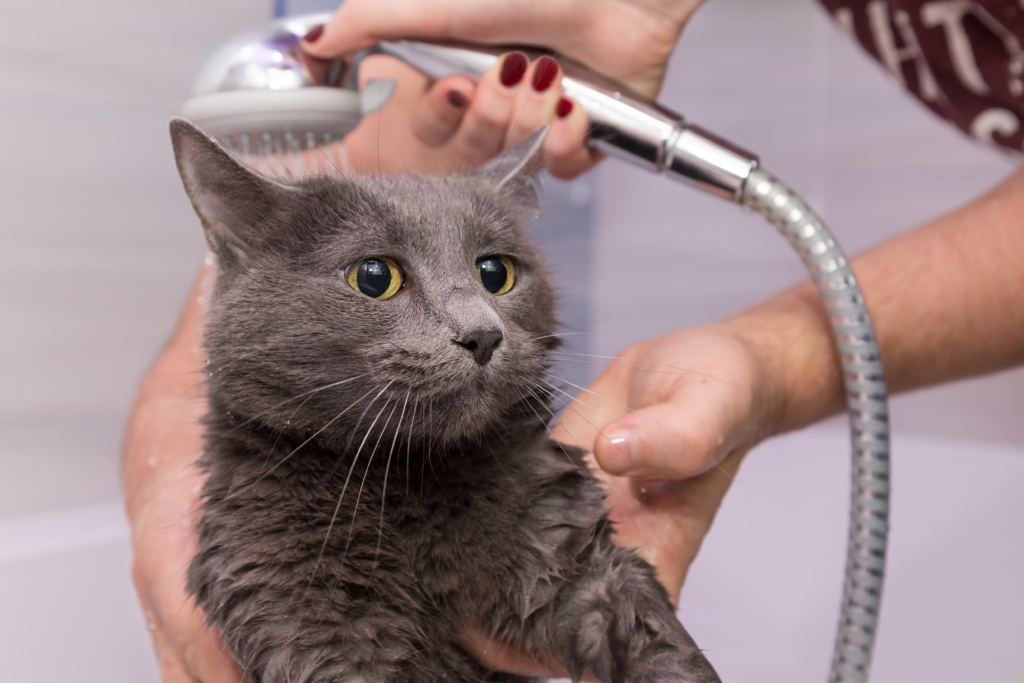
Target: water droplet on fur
column 287, row 422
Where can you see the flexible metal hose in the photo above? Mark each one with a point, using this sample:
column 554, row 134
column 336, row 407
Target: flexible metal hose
column 868, row 407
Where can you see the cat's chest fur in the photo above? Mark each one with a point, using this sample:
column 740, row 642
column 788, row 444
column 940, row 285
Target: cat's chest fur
column 464, row 535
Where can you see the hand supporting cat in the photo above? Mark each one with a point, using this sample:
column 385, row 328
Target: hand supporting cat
column 349, row 320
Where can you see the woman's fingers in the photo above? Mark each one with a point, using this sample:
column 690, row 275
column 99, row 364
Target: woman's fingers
column 439, row 113
column 477, row 121
column 359, row 23
column 536, row 99
column 565, row 152
column 483, row 131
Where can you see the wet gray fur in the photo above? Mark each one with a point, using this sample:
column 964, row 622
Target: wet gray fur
column 374, row 488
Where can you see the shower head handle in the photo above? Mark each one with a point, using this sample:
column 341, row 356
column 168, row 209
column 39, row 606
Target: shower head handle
column 623, row 124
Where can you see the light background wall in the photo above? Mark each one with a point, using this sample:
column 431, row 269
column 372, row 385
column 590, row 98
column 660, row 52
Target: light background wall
column 98, row 246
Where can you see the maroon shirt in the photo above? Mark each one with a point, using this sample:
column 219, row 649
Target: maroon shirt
column 964, row 59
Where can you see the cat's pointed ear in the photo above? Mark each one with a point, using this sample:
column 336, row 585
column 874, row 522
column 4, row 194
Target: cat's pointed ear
column 522, row 161
column 231, row 200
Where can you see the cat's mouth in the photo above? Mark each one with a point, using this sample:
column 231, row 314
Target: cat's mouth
column 462, row 398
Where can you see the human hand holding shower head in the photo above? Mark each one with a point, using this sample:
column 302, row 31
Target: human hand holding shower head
column 261, row 93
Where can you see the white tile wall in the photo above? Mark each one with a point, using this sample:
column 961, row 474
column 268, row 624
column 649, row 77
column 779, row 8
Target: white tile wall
column 97, row 248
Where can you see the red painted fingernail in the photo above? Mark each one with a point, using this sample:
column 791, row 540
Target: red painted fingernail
column 513, row 68
column 457, row 99
column 544, row 73
column 314, row 34
column 564, row 107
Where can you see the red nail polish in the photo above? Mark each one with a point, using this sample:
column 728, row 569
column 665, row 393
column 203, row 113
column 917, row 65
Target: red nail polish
column 513, row 68
column 564, row 107
column 544, row 73
column 314, row 34
column 457, row 99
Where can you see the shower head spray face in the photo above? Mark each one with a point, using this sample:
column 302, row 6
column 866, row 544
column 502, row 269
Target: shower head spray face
column 277, row 107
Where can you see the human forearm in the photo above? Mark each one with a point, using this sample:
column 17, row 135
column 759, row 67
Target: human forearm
column 163, row 429
column 161, row 487
column 947, row 300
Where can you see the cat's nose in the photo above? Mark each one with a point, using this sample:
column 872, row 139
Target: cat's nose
column 481, row 343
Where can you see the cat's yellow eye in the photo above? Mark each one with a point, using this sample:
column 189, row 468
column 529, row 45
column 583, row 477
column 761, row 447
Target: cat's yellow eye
column 497, row 273
column 378, row 277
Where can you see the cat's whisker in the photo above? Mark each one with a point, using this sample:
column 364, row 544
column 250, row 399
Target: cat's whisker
column 595, row 469
column 348, row 477
column 315, row 434
column 529, row 404
column 604, row 365
column 387, row 469
column 599, row 473
column 281, row 433
column 430, row 448
column 221, row 368
column 305, row 394
column 682, row 371
column 355, row 430
column 557, row 335
column 408, row 445
column 366, row 471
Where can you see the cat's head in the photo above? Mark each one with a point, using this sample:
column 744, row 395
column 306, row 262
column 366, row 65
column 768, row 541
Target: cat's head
column 341, row 302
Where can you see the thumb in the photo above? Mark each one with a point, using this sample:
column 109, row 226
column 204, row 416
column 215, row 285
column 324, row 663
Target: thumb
column 360, row 23
column 681, row 438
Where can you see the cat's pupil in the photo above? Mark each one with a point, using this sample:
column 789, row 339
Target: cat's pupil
column 373, row 277
column 493, row 273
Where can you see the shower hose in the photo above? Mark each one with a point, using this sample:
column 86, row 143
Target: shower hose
column 866, row 402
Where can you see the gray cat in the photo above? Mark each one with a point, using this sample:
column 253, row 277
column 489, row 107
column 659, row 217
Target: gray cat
column 378, row 476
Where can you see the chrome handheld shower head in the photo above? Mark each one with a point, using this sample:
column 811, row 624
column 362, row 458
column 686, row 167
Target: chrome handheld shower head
column 261, row 93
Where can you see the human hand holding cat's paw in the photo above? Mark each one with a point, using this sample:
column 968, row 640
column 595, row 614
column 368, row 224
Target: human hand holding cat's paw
column 671, row 419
